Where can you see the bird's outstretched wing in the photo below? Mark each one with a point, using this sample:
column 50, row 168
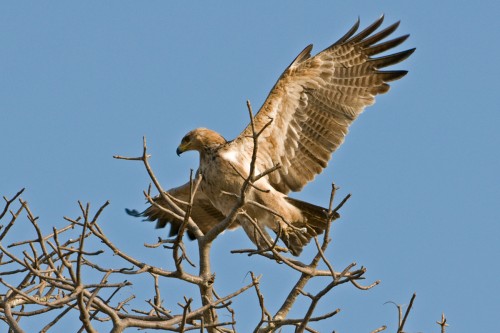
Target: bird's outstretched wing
column 203, row 213
column 316, row 99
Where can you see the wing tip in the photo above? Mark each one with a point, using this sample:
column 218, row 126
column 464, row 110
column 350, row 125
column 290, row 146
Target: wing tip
column 302, row 56
column 134, row 212
column 384, row 46
column 367, row 31
column 391, row 59
column 348, row 34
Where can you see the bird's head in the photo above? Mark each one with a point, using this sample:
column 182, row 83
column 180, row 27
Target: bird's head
column 200, row 139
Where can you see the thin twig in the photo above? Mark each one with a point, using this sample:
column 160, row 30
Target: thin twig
column 442, row 323
column 401, row 326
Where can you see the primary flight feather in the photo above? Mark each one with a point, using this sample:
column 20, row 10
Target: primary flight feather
column 307, row 114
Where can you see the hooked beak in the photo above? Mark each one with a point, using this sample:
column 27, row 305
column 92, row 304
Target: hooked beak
column 182, row 148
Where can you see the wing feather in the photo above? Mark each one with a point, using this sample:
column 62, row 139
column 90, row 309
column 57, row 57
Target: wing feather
column 203, row 213
column 367, row 31
column 382, row 47
column 315, row 100
column 349, row 33
column 379, row 35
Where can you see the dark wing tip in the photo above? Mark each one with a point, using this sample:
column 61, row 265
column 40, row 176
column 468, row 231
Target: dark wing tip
column 348, row 34
column 161, row 222
column 174, row 228
column 389, row 76
column 304, row 55
column 381, row 47
column 134, row 213
column 391, row 59
column 367, row 31
column 372, row 39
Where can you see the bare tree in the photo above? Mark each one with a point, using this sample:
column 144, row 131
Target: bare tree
column 55, row 274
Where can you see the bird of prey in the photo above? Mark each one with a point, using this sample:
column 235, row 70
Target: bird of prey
column 304, row 119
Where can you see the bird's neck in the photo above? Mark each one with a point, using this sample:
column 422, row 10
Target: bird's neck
column 209, row 153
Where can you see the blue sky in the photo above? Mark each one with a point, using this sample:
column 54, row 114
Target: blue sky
column 82, row 81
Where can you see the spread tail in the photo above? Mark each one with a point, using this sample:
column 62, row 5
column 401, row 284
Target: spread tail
column 314, row 223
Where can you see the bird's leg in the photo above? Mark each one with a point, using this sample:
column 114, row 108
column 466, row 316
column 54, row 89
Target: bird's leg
column 258, row 235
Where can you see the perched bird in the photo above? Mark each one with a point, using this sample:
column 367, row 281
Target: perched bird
column 302, row 122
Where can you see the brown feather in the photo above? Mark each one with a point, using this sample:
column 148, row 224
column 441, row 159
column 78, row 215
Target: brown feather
column 315, row 220
column 203, row 213
column 317, row 98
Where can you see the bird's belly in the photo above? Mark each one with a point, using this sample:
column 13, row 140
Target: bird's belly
column 223, row 179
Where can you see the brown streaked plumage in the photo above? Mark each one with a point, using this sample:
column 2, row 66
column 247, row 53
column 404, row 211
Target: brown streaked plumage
column 311, row 106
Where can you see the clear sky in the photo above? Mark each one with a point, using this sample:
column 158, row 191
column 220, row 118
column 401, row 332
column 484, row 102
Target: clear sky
column 82, row 81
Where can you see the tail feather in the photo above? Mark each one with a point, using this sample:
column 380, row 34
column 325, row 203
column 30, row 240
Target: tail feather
column 315, row 222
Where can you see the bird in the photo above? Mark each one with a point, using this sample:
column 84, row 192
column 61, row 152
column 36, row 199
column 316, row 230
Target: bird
column 304, row 119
